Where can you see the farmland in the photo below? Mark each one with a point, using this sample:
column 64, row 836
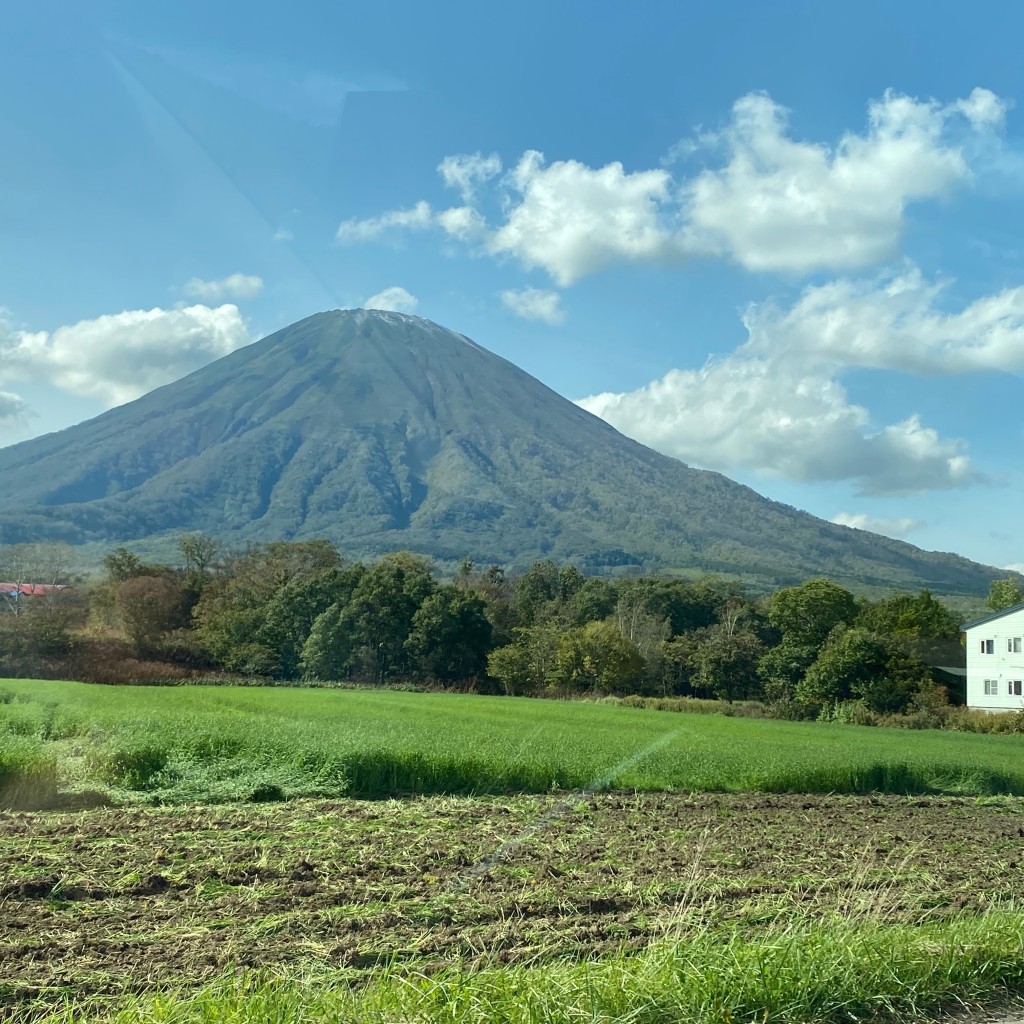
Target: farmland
column 214, row 744
column 523, row 860
column 108, row 903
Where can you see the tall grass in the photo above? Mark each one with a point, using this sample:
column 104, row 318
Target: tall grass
column 230, row 743
column 846, row 973
column 28, row 773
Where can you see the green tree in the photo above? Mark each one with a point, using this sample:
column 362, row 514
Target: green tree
column 496, row 591
column 1005, row 593
column 570, row 582
column 726, row 660
column 597, row 657
column 594, row 600
column 641, row 627
column 451, row 635
column 918, row 617
column 122, row 564
column 678, row 666
column 783, row 667
column 857, row 664
column 382, row 609
column 538, row 592
column 289, row 616
column 327, row 653
column 232, row 612
column 530, row 664
column 806, row 614
column 686, row 606
column 513, row 667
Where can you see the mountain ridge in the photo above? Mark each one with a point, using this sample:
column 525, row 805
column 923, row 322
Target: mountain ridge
column 382, row 430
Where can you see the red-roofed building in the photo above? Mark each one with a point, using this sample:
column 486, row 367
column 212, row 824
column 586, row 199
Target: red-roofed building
column 30, row 589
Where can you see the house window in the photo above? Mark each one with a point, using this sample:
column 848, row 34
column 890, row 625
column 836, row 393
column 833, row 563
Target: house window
column 1013, row 645
column 1016, row 687
column 991, row 687
column 988, row 647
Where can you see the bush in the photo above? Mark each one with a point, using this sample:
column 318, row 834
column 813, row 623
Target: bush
column 113, row 662
column 849, row 712
column 692, row 705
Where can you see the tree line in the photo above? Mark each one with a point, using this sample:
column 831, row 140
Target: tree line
column 295, row 611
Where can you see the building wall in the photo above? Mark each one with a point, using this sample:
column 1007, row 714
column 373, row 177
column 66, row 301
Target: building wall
column 1002, row 665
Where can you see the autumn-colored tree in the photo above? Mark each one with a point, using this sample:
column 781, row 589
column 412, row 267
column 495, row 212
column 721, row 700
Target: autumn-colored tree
column 148, row 607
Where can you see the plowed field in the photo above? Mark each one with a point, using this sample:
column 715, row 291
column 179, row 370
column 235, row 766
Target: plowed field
column 106, row 901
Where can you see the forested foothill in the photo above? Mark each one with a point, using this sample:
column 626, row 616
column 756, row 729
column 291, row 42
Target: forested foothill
column 297, row 612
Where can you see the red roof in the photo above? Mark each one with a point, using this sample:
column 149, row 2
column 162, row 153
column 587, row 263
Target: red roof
column 30, row 589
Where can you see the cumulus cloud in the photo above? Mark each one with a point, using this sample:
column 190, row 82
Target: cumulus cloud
column 234, row 286
column 118, row 357
column 777, row 403
column 466, row 171
column 896, row 322
column 783, row 204
column 573, row 220
column 780, row 421
column 396, row 299
column 984, row 109
column 898, row 528
column 769, row 201
column 463, row 223
column 535, row 304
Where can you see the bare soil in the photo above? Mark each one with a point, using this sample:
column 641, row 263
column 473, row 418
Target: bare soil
column 105, row 901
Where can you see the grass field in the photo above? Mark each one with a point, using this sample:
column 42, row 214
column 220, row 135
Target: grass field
column 569, row 861
column 212, row 744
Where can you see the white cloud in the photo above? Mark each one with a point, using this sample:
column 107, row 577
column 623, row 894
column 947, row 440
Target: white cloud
column 779, row 420
column 777, row 404
column 13, row 410
column 466, row 171
column 118, row 357
column 898, row 528
column 463, row 223
column 282, row 235
column 234, row 286
column 573, row 220
column 984, row 109
column 894, row 323
column 1015, row 567
column 772, row 202
column 418, row 218
column 396, row 299
column 535, row 304
column 782, row 204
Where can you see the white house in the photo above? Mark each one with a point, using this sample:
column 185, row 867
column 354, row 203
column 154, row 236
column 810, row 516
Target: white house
column 995, row 660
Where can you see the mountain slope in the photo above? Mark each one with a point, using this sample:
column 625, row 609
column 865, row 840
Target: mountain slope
column 383, row 431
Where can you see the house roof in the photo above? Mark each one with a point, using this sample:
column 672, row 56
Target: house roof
column 992, row 616
column 30, row 589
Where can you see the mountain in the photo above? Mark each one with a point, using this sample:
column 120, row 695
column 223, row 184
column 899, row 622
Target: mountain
column 382, row 431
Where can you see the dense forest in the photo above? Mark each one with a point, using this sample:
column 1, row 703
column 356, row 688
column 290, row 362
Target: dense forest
column 294, row 612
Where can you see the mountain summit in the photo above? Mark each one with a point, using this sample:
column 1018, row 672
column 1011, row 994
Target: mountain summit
column 383, row 431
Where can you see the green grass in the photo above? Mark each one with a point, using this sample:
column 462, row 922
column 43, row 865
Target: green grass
column 810, row 975
column 186, row 744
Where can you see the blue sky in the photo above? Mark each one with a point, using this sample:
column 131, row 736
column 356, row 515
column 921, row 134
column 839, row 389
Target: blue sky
column 783, row 241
